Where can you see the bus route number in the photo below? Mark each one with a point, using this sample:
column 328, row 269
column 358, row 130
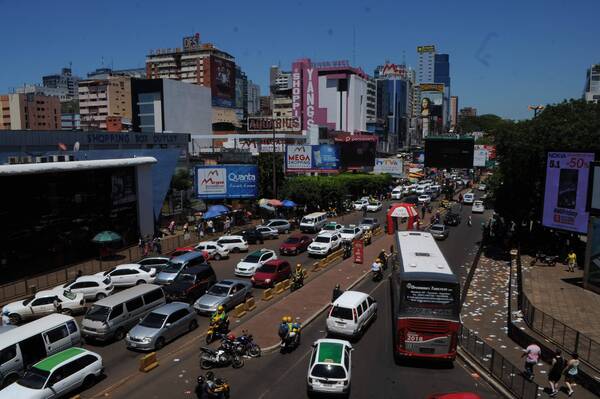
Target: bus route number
column 410, row 337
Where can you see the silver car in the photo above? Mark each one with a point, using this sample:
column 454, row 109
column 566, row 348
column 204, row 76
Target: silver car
column 229, row 293
column 162, row 325
column 368, row 224
column 439, row 231
column 281, row 225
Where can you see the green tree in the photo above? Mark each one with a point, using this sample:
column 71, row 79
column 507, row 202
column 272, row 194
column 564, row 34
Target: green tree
column 182, row 180
column 265, row 173
column 488, row 123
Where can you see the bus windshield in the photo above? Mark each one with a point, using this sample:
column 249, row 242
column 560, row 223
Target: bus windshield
column 430, row 299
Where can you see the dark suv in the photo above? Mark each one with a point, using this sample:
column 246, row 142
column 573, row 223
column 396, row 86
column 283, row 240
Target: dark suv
column 191, row 283
column 253, row 236
column 452, row 219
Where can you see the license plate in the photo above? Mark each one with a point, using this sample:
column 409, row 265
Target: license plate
column 132, row 344
column 426, row 350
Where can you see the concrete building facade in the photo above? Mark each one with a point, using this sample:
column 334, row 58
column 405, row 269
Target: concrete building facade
column 253, row 98
column 453, row 112
column 592, row 84
column 65, row 81
column 30, row 111
column 100, row 98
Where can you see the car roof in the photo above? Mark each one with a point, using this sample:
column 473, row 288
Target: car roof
column 156, row 258
column 207, row 243
column 196, row 269
column 51, row 362
column 276, row 220
column 126, row 295
column 232, row 236
column 327, row 233
column 88, row 277
column 331, row 350
column 170, row 308
column 260, row 252
column 350, row 298
column 276, row 262
column 128, row 266
column 187, row 256
column 231, row 281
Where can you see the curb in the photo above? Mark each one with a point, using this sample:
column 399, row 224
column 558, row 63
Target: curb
column 274, row 348
column 465, row 357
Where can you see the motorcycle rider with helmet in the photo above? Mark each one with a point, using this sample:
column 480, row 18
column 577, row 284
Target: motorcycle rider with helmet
column 220, row 319
column 376, row 268
column 298, row 276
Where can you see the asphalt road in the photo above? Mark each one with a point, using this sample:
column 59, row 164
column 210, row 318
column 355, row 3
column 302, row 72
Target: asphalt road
column 374, row 372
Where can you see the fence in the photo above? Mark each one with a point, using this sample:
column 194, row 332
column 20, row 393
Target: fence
column 494, row 363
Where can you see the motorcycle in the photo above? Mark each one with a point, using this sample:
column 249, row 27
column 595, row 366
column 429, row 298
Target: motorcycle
column 347, row 251
column 224, row 356
column 244, row 345
column 210, row 387
column 548, row 260
column 216, row 331
column 297, row 282
column 377, row 275
column 290, row 342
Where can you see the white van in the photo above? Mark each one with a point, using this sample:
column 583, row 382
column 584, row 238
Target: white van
column 113, row 316
column 313, row 222
column 23, row 346
column 397, row 193
column 351, row 313
column 468, row 198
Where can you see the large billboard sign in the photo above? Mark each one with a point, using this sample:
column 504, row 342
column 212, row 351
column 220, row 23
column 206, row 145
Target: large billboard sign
column 426, row 49
column 391, row 166
column 316, row 158
column 449, row 153
column 432, row 99
column 257, row 124
column 565, row 195
column 298, row 158
column 222, row 82
column 357, row 151
column 226, row 181
column 484, row 155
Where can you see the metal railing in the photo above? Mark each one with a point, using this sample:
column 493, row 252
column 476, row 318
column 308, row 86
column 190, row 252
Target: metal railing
column 509, row 375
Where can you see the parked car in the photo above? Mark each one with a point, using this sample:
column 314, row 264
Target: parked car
column 247, row 266
column 215, row 250
column 228, row 293
column 271, row 273
column 42, row 304
column 374, row 206
column 177, row 265
column 424, row 199
column 369, row 224
column 351, row 233
column 397, row 193
column 162, row 325
column 294, row 244
column 129, row 274
column 267, row 233
column 181, row 251
column 253, row 236
column 281, row 225
column 57, row 375
column 191, row 283
column 439, row 231
column 360, row 204
column 234, row 243
column 468, row 198
column 478, row 207
column 92, row 287
column 313, row 222
column 452, row 219
column 325, row 243
column 330, row 367
column 482, row 187
column 331, row 227
column 156, row 262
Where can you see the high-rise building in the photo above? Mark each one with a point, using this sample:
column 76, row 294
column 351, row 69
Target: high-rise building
column 253, row 98
column 103, row 73
column 265, row 106
column 433, row 70
column 280, row 89
column 102, row 98
column 592, row 84
column 467, row 112
column 29, row 111
column 425, row 64
column 371, row 101
column 61, row 92
column 453, row 112
column 241, row 94
column 64, row 80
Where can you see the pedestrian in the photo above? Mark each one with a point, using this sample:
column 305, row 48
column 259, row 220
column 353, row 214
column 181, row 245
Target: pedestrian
column 571, row 372
column 392, row 249
column 337, row 291
column 364, row 211
column 556, row 369
column 172, row 227
column 460, row 198
column 79, row 273
column 423, row 211
column 158, row 245
column 205, row 255
column 210, row 226
column 470, row 221
column 532, row 355
column 141, row 243
column 57, row 305
column 186, row 228
column 571, row 260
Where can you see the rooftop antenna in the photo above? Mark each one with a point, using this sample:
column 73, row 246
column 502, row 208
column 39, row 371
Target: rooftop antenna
column 404, row 57
column 102, row 61
column 353, row 44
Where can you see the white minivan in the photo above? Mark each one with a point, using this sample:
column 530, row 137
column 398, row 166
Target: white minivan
column 468, row 198
column 351, row 313
column 313, row 222
column 397, row 193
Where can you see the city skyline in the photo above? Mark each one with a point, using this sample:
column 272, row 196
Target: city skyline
column 498, row 55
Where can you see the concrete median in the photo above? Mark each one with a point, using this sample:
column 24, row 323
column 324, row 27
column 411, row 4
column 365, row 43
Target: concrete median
column 250, row 304
column 239, row 310
column 267, row 294
column 148, row 362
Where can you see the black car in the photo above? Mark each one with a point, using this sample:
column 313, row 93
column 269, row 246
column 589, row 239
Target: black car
column 191, row 283
column 253, row 236
column 452, row 219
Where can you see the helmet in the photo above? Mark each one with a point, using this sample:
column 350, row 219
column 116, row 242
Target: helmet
column 288, row 319
column 298, row 265
column 220, row 308
column 284, row 319
column 231, row 337
column 210, row 375
column 337, row 286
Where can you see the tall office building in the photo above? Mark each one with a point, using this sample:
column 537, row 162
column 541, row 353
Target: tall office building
column 29, row 111
column 592, row 84
column 453, row 112
column 280, row 90
column 65, row 80
column 253, row 98
column 425, row 64
column 104, row 99
column 433, row 70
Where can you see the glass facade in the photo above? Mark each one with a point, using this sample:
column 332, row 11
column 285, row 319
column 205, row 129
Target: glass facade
column 145, row 110
column 49, row 219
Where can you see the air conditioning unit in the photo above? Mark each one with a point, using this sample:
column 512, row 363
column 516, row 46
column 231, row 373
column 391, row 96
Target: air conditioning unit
column 26, row 159
column 13, row 160
column 41, row 160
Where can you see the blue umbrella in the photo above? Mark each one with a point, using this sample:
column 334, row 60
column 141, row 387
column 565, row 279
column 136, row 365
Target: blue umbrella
column 218, row 208
column 213, row 213
column 288, row 203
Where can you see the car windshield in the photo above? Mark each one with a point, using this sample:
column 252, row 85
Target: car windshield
column 322, row 239
column 328, row 371
column 292, row 240
column 28, row 300
column 186, row 277
column 307, row 220
column 368, row 221
column 218, row 290
column 341, row 313
column 153, row 320
column 348, row 231
column 106, row 273
column 436, row 228
column 69, row 295
column 173, row 267
column 97, row 313
column 267, row 269
column 252, row 258
column 34, row 378
column 329, row 227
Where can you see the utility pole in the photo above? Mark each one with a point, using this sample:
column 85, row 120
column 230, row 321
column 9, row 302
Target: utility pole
column 274, row 168
column 536, row 109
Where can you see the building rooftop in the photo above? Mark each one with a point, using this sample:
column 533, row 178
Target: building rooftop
column 70, row 166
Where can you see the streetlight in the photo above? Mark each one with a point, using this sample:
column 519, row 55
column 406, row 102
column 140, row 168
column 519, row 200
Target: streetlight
column 274, row 167
column 535, row 109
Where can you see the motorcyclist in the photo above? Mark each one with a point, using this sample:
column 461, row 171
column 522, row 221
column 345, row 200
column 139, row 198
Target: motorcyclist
column 283, row 328
column 293, row 327
column 347, row 249
column 298, row 275
column 376, row 267
column 220, row 318
column 383, row 257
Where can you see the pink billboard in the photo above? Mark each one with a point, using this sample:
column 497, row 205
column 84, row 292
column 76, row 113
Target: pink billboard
column 305, row 94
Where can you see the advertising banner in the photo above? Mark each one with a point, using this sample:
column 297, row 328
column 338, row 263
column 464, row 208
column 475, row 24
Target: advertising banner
column 594, row 190
column 358, row 250
column 392, row 166
column 298, row 158
column 257, row 124
column 565, row 195
column 326, row 157
column 592, row 270
column 226, row 181
column 480, row 156
column 222, row 82
column 316, row 158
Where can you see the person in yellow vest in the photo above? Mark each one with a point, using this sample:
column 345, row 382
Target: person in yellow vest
column 571, row 260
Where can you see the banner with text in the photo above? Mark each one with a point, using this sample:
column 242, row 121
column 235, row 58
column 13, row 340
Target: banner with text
column 316, row 158
column 226, row 181
column 392, row 166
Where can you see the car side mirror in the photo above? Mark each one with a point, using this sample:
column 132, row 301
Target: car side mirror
column 230, row 295
column 168, row 325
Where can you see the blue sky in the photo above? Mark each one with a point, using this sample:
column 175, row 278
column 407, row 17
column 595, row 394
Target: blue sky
column 504, row 54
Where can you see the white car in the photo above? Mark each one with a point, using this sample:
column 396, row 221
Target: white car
column 397, row 193
column 478, row 207
column 233, row 243
column 330, row 367
column 215, row 250
column 325, row 243
column 57, row 375
column 92, row 287
column 248, row 266
column 129, row 274
column 424, row 199
column 351, row 233
column 468, row 198
column 482, row 187
column 42, row 304
column 360, row 204
column 374, row 206
column 331, row 228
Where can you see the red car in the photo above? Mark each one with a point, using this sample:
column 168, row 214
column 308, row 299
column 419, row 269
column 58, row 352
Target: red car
column 181, row 251
column 271, row 272
column 454, row 395
column 294, row 245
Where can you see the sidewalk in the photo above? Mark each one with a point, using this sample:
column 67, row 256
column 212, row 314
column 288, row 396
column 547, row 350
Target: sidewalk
column 485, row 311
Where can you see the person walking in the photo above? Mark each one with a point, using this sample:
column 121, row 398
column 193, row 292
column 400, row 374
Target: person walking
column 532, row 355
column 556, row 369
column 172, row 227
column 571, row 372
column 423, row 211
column 337, row 291
column 571, row 260
column 210, row 226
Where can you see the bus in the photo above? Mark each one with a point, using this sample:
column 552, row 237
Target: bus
column 425, row 300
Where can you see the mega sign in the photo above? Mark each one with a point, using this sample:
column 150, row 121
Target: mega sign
column 389, row 165
column 565, row 195
column 316, row 158
column 281, row 124
column 226, row 181
column 298, row 157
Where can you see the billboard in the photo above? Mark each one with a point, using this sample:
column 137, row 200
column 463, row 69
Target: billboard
column 565, row 194
column 432, row 99
column 594, row 190
column 226, row 181
column 222, row 77
column 357, row 151
column 449, row 153
column 484, row 155
column 281, row 124
column 426, row 49
column 316, row 158
column 391, row 166
column 298, row 158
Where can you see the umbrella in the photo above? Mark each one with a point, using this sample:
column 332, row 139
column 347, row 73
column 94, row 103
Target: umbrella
column 274, row 202
column 212, row 213
column 263, row 202
column 218, row 208
column 288, row 203
column 106, row 237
